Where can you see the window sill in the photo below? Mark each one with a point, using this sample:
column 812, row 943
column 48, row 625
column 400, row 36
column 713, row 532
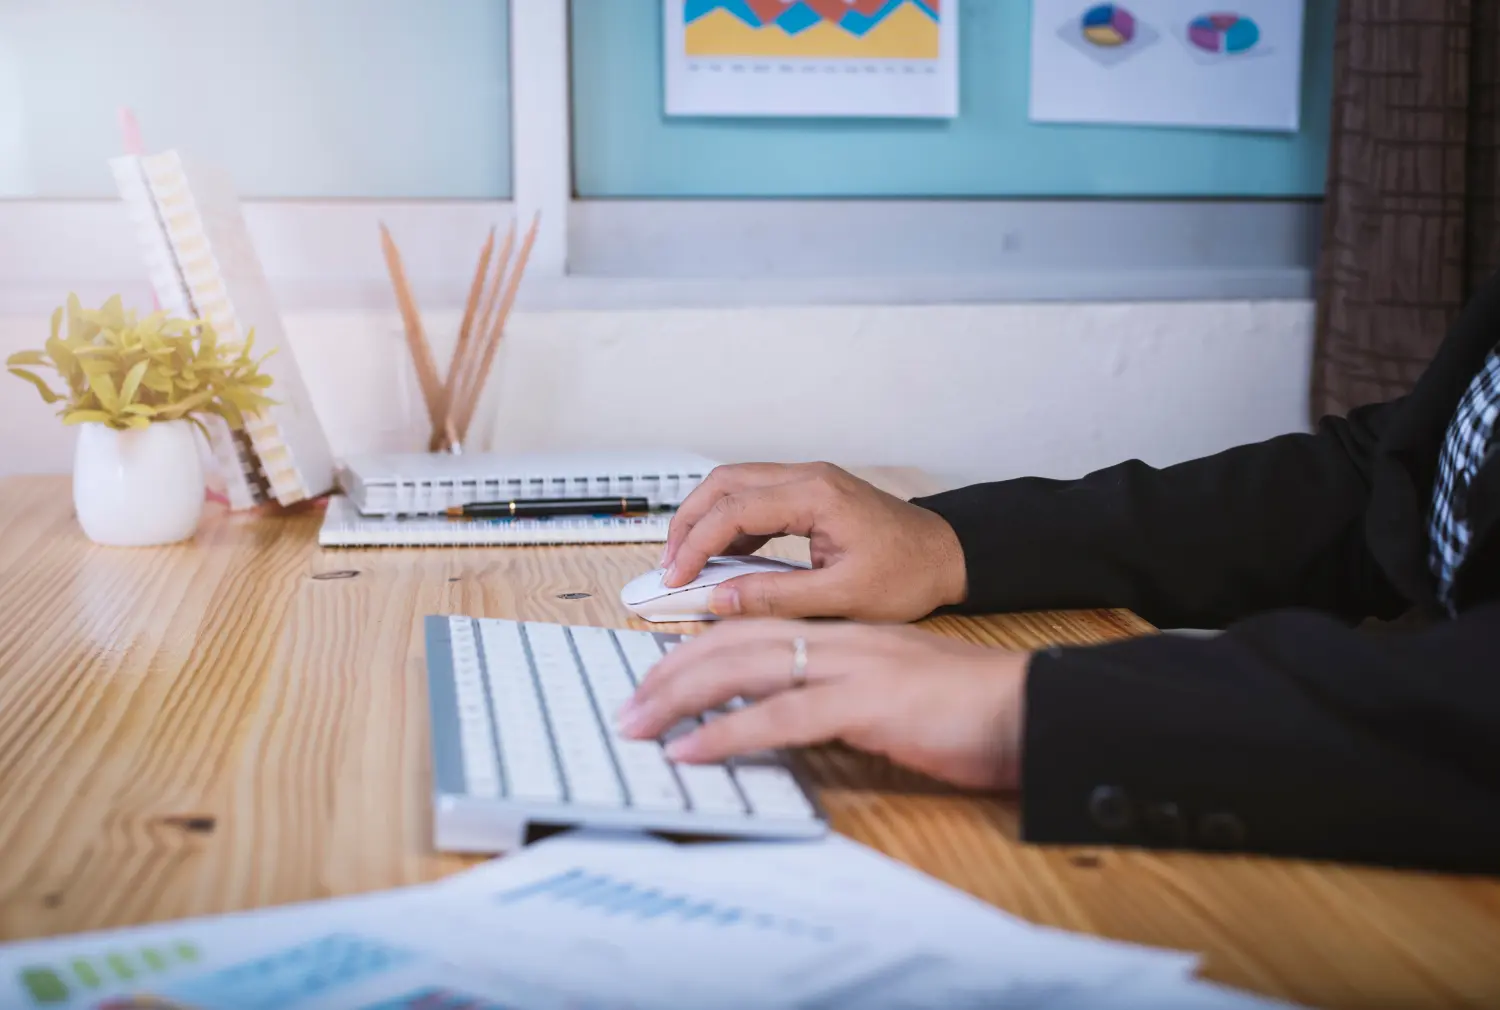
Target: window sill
column 725, row 254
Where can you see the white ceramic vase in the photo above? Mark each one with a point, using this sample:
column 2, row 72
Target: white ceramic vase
column 138, row 487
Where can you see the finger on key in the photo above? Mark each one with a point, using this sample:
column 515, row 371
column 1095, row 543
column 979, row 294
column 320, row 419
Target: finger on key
column 702, row 649
column 755, row 512
column 756, row 670
column 815, row 714
column 837, row 645
column 721, row 481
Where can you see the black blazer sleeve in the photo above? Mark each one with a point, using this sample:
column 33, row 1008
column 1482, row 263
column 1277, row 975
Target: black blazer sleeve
column 1290, row 734
column 1276, row 524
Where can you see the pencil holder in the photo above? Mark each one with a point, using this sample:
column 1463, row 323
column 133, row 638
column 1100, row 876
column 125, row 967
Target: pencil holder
column 451, row 401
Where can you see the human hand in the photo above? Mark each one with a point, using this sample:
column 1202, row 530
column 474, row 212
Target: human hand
column 875, row 557
column 949, row 709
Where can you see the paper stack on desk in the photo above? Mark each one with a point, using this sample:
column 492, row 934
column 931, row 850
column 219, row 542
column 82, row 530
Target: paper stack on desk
column 592, row 921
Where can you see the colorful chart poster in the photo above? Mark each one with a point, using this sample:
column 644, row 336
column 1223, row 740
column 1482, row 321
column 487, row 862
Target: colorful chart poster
column 1168, row 63
column 892, row 58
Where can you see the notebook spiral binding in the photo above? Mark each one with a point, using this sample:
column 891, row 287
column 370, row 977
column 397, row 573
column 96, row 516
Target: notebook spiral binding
column 203, row 265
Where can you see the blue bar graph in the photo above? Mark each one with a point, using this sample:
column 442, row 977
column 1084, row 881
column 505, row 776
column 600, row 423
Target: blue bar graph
column 295, row 973
column 611, row 896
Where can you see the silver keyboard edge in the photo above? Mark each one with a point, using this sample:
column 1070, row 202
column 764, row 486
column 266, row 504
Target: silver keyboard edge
column 442, row 705
column 507, row 812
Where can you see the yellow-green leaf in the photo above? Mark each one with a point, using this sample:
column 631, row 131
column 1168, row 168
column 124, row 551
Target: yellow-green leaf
column 243, row 399
column 97, row 366
column 132, row 382
column 84, row 416
column 181, row 407
column 113, row 310
column 75, row 324
column 61, row 356
column 141, row 410
column 104, row 388
column 36, row 380
column 157, row 382
column 27, row 358
column 56, row 321
column 231, row 414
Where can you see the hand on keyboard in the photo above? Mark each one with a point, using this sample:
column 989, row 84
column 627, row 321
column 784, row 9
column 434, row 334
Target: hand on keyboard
column 522, row 717
column 944, row 707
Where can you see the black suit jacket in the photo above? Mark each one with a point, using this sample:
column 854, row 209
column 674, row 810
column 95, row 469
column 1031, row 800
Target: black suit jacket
column 1297, row 731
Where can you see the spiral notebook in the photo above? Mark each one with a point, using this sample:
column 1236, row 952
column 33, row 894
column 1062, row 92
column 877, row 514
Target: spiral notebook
column 398, row 500
column 203, row 265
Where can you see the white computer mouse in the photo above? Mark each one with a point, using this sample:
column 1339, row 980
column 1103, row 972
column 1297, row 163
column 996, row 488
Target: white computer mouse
column 647, row 598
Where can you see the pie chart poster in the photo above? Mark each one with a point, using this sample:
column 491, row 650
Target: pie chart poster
column 1219, row 64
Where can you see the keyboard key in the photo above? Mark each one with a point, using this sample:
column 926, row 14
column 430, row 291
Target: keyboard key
column 648, row 777
column 476, row 736
column 772, row 791
column 641, row 652
column 604, row 668
column 710, row 790
column 588, row 770
column 525, row 746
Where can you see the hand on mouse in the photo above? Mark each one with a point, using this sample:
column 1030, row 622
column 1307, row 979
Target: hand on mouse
column 949, row 709
column 875, row 557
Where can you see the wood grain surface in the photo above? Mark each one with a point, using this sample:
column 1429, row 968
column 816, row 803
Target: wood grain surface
column 240, row 721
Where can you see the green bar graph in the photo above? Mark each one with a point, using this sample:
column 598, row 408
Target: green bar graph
column 44, row 985
column 47, row 986
column 86, row 974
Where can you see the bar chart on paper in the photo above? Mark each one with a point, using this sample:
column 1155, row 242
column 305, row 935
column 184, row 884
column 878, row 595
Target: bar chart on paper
column 895, row 58
column 633, row 917
column 612, row 896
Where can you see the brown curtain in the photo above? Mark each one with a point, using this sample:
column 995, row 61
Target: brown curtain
column 1411, row 221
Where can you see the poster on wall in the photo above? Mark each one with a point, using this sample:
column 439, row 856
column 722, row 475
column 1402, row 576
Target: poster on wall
column 1168, row 63
column 888, row 58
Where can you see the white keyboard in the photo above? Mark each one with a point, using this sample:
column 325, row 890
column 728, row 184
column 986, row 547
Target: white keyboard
column 522, row 718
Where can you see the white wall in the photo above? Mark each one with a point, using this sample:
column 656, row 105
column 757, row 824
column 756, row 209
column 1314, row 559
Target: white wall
column 968, row 392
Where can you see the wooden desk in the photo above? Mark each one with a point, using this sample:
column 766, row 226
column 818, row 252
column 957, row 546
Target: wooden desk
column 242, row 722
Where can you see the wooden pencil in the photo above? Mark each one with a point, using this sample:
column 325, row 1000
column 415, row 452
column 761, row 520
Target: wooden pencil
column 416, row 338
column 497, row 329
column 462, row 375
column 440, row 425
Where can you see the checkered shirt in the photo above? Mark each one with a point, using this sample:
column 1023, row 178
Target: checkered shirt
column 1471, row 435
